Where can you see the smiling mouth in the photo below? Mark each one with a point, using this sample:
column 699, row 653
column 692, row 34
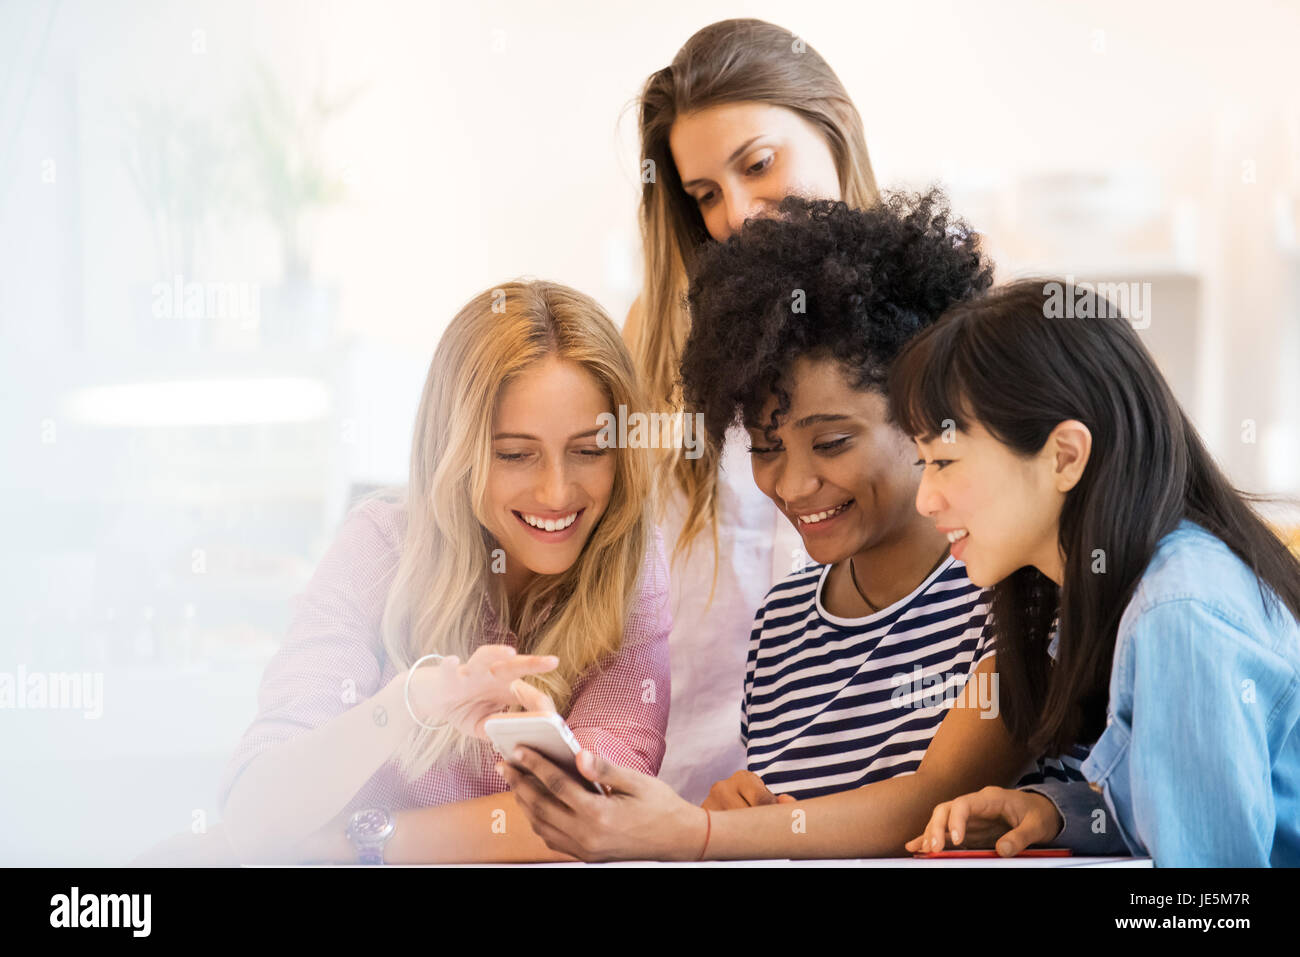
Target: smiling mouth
column 956, row 535
column 554, row 525
column 816, row 517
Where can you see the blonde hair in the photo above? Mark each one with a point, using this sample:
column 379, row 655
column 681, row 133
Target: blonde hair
column 729, row 61
column 443, row 578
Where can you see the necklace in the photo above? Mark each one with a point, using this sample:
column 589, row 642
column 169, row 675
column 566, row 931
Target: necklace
column 861, row 594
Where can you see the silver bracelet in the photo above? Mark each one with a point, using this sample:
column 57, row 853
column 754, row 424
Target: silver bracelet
column 407, row 695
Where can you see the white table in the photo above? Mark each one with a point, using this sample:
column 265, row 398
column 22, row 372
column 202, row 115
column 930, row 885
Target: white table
column 864, row 862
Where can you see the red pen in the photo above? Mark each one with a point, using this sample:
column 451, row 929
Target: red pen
column 1028, row 852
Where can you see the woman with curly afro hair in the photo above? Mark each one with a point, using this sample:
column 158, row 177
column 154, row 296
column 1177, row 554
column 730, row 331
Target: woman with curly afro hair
column 870, row 686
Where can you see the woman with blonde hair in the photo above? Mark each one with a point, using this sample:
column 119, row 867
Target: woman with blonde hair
column 523, row 548
column 746, row 114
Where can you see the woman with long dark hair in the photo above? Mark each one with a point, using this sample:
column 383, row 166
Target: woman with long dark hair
column 1139, row 601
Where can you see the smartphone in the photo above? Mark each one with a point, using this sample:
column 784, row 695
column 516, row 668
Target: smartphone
column 544, row 732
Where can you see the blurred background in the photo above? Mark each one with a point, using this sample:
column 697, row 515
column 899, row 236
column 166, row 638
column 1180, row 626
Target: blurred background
column 231, row 234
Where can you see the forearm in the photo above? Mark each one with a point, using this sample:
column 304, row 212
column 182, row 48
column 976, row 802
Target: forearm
column 871, row 821
column 968, row 752
column 289, row 792
column 490, row 829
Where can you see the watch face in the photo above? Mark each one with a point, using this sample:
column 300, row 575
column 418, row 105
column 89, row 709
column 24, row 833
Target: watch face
column 371, row 824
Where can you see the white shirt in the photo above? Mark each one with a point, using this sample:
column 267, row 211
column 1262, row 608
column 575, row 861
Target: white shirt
column 757, row 547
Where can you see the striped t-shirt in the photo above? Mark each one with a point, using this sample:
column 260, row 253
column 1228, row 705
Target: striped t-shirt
column 835, row 703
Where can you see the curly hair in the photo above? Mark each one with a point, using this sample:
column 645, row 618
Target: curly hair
column 820, row 279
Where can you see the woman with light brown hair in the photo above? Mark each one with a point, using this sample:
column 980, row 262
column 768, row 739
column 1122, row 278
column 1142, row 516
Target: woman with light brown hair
column 746, row 114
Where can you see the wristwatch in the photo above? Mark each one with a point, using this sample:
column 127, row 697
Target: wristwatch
column 369, row 830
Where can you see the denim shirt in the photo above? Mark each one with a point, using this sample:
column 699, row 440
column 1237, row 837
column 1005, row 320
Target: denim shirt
column 1088, row 827
column 1199, row 764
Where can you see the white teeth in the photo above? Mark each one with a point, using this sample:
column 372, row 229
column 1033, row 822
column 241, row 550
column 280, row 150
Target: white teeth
column 822, row 516
column 550, row 524
column 957, row 535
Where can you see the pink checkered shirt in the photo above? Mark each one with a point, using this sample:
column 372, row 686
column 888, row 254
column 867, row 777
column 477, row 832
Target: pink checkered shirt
column 334, row 637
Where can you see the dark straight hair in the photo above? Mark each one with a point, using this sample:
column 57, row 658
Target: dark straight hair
column 1020, row 361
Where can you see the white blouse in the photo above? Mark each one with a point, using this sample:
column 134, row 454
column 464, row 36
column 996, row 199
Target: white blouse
column 757, row 547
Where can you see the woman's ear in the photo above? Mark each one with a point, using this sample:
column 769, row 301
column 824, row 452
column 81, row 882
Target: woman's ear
column 1071, row 445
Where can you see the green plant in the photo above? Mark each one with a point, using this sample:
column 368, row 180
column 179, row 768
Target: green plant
column 285, row 148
